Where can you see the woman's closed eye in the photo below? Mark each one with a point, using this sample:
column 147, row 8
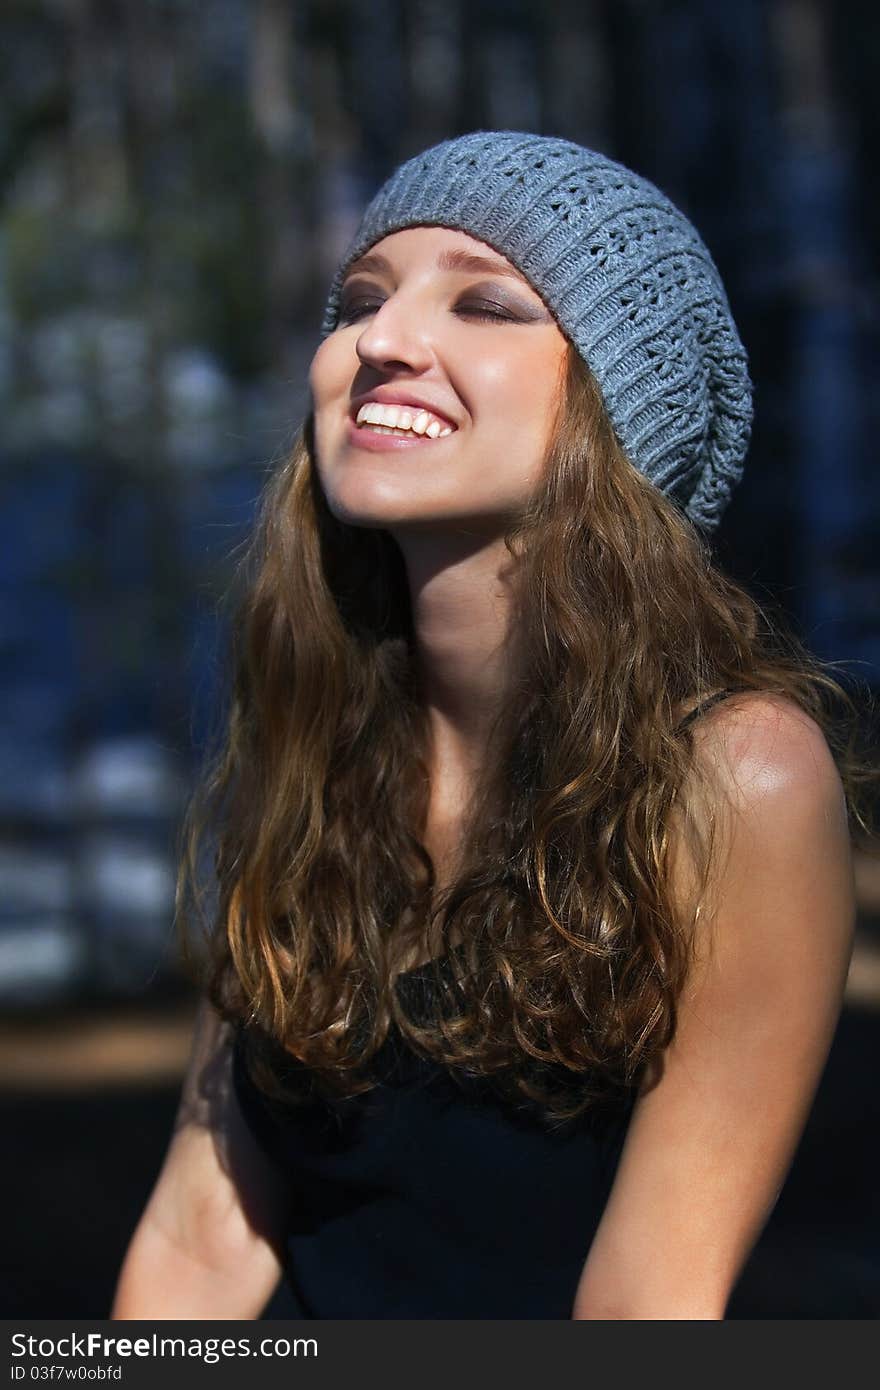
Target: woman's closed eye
column 485, row 309
column 354, row 309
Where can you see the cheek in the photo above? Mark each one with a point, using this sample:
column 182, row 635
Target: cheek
column 327, row 373
column 329, row 383
column 516, row 392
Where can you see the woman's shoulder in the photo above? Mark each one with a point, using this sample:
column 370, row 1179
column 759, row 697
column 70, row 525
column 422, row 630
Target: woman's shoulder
column 766, row 785
column 760, row 747
column 772, row 796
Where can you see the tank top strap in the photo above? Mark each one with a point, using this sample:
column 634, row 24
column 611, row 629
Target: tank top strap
column 705, row 705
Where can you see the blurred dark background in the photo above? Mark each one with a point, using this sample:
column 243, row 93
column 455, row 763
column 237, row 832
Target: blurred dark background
column 177, row 182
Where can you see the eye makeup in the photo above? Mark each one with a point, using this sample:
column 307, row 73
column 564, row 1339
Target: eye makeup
column 493, row 296
column 488, row 300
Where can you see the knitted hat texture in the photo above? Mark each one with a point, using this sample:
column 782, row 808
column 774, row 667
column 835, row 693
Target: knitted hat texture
column 627, row 278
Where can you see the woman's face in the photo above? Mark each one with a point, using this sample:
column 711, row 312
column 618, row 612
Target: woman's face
column 434, row 398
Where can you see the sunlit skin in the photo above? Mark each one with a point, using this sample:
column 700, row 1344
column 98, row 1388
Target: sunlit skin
column 421, row 318
column 478, row 345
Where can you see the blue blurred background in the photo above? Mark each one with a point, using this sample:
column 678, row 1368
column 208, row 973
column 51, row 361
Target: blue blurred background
column 177, row 182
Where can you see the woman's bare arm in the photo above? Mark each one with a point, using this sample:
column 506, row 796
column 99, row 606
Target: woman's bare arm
column 709, row 1146
column 207, row 1245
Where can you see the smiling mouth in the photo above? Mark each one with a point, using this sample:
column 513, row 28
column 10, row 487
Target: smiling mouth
column 385, row 437
column 427, row 437
column 407, row 422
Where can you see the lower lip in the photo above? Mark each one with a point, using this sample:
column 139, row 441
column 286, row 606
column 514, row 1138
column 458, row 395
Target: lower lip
column 382, row 443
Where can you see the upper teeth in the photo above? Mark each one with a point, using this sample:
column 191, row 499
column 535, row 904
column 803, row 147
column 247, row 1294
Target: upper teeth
column 403, row 418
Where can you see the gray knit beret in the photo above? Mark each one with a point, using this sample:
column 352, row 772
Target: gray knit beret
column 627, row 278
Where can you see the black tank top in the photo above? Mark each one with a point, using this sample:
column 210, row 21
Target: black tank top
column 424, row 1199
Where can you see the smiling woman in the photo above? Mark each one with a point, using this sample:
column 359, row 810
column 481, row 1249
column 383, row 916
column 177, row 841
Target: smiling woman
column 531, row 849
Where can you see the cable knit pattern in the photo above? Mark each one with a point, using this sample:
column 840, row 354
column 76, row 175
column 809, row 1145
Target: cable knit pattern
column 627, row 278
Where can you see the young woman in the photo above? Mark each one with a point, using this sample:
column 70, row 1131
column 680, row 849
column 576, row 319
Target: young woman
column 535, row 902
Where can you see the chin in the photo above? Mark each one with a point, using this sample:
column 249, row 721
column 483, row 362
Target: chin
column 367, row 512
column 354, row 513
column 360, row 504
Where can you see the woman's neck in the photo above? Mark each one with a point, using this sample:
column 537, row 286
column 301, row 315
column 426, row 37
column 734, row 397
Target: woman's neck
column 461, row 602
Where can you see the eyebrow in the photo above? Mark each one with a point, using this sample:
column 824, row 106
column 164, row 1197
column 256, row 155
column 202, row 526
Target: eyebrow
column 466, row 261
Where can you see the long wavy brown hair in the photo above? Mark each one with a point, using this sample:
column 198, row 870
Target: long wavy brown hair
column 563, row 949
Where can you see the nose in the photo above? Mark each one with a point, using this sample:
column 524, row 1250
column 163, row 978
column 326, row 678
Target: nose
column 395, row 337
